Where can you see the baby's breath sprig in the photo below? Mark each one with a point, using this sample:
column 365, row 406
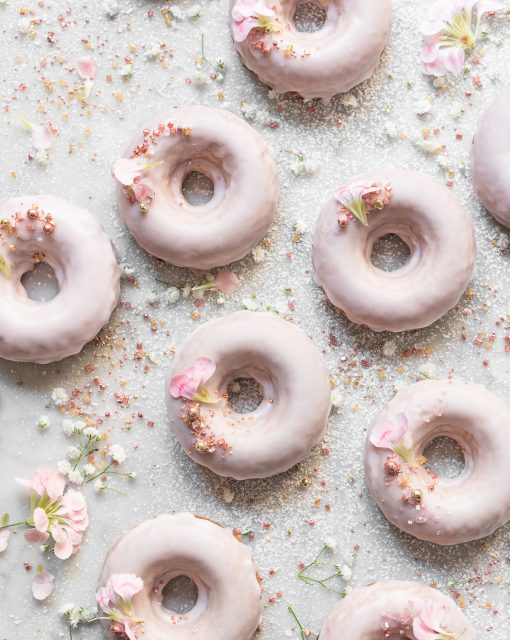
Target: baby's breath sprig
column 340, row 572
column 216, row 68
column 306, row 634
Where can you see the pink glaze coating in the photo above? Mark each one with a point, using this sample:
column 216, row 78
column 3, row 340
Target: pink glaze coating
column 229, row 593
column 345, row 52
column 452, row 510
column 490, row 159
column 246, row 188
column 439, row 234
column 293, row 414
column 387, row 609
column 83, row 259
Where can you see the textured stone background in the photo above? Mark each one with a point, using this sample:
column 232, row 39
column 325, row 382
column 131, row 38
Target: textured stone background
column 375, row 126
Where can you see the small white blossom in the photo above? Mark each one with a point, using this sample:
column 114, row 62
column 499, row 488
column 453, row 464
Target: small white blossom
column 186, row 290
column 193, row 11
column 259, row 254
column 68, row 427
column 300, row 227
column 25, row 25
column 59, row 396
column 76, row 477
column 348, row 100
column 152, row 51
column 346, row 572
column 73, row 614
column 91, row 432
column 117, row 454
column 177, row 12
column 42, row 157
column 331, row 543
column 389, row 348
column 132, row 475
column 99, row 485
column 336, row 398
column 170, row 296
column 111, row 8
column 89, row 469
column 73, row 453
column 64, row 467
column 422, row 107
column 128, row 271
column 220, row 299
column 44, row 423
column 127, row 71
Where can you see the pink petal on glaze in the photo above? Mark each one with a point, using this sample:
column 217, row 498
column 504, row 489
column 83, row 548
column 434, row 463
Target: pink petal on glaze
column 206, row 367
column 126, row 585
column 42, row 585
column 126, row 170
column 142, row 192
column 387, row 433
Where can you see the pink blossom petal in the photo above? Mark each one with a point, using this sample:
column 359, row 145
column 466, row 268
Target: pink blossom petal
column 5, row 534
column 185, row 384
column 55, row 486
column 42, row 137
column 387, row 433
column 41, row 520
column 142, row 192
column 126, row 585
column 488, row 6
column 42, row 585
column 206, row 368
column 422, row 631
column 454, row 59
column 242, row 29
column 433, row 615
column 126, row 170
column 85, row 68
column 103, row 599
column 32, row 535
column 226, row 282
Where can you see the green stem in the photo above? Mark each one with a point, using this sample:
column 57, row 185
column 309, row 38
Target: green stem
column 83, row 449
column 98, row 475
column 305, row 633
column 15, row 524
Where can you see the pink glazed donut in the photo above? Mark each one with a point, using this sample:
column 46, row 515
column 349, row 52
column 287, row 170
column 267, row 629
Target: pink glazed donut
column 44, row 228
column 490, row 159
column 427, row 217
column 231, row 154
column 396, row 609
column 343, row 53
column 292, row 375
column 442, row 510
column 158, row 550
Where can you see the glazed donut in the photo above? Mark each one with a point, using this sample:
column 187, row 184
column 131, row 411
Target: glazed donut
column 490, row 159
column 231, row 154
column 70, row 240
column 396, row 609
column 343, row 53
column 289, row 421
column 427, row 217
column 158, row 550
column 442, row 510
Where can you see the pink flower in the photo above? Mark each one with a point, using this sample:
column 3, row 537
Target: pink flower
column 127, row 170
column 450, row 30
column 190, row 384
column 251, row 14
column 142, row 192
column 360, row 198
column 387, row 433
column 115, row 602
column 86, row 71
column 5, row 534
column 429, row 625
column 42, row 584
column 59, row 513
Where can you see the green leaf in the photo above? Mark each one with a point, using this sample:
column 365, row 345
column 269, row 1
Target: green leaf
column 5, row 520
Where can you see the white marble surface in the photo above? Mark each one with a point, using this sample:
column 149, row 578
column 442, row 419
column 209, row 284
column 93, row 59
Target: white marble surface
column 343, row 138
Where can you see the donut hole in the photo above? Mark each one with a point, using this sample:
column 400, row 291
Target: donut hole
column 309, row 17
column 244, row 395
column 390, row 253
column 179, row 595
column 41, row 283
column 444, row 457
column 197, row 188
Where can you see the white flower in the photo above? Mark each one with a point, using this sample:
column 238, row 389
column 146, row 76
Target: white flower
column 193, row 11
column 127, row 71
column 331, row 543
column 79, row 426
column 76, row 477
column 59, row 396
column 44, row 423
column 73, row 453
column 348, row 100
column 177, row 12
column 88, row 614
column 128, row 271
column 170, row 296
column 99, row 485
column 422, row 107
column 250, row 304
column 346, row 572
column 89, row 469
column 111, row 8
column 64, row 467
column 91, row 432
column 300, row 227
column 117, row 454
column 152, row 51
column 68, row 427
column 259, row 255
column 336, row 398
column 389, row 348
column 73, row 615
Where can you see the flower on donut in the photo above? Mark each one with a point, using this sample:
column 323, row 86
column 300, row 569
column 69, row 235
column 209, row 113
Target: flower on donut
column 429, row 625
column 57, row 513
column 252, row 14
column 115, row 601
column 190, row 383
column 452, row 28
column 389, row 434
column 358, row 199
column 130, row 172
